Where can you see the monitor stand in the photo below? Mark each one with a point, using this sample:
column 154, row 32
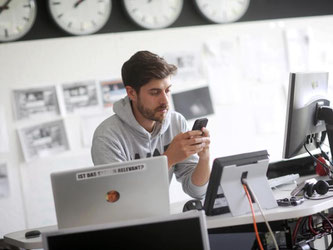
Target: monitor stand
column 255, row 174
column 325, row 113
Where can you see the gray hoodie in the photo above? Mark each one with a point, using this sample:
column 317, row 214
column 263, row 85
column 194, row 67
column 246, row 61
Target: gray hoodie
column 122, row 138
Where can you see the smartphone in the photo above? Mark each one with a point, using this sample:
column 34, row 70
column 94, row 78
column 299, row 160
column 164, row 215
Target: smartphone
column 200, row 123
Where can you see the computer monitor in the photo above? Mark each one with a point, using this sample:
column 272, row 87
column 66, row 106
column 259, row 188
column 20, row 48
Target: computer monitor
column 178, row 231
column 309, row 116
column 225, row 191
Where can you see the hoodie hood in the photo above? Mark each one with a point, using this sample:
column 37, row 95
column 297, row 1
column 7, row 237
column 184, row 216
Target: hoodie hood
column 123, row 109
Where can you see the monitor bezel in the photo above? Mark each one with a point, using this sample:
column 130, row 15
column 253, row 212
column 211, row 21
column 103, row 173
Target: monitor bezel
column 199, row 215
column 291, row 122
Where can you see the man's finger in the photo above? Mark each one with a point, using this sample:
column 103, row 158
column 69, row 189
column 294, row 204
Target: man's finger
column 205, row 132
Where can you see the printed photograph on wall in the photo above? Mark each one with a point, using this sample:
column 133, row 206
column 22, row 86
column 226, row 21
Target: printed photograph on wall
column 193, row 103
column 4, row 183
column 32, row 102
column 112, row 91
column 80, row 96
column 188, row 64
column 43, row 140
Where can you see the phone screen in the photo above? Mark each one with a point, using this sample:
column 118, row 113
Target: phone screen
column 200, row 123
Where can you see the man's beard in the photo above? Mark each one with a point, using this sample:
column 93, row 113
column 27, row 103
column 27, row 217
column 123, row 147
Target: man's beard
column 150, row 114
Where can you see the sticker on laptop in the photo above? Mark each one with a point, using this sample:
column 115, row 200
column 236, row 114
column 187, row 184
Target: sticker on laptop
column 110, row 171
column 112, row 196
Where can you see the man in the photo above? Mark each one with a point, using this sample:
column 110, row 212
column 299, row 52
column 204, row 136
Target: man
column 143, row 126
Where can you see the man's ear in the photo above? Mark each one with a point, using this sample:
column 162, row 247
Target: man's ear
column 131, row 93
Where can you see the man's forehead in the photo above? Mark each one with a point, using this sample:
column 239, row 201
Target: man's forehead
column 158, row 84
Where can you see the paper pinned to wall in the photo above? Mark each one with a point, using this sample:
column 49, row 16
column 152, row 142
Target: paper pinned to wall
column 263, row 58
column 321, row 55
column 4, row 182
column 297, row 43
column 88, row 127
column 4, row 146
column 320, row 52
column 35, row 102
column 188, row 64
column 80, row 97
column 221, row 60
column 112, row 91
column 45, row 139
column 269, row 105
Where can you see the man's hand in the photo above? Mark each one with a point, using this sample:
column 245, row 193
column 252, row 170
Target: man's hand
column 186, row 144
column 201, row 173
column 204, row 153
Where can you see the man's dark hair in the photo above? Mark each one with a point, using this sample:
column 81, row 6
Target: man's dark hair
column 144, row 66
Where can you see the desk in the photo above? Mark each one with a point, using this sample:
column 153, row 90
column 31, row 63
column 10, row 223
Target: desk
column 307, row 208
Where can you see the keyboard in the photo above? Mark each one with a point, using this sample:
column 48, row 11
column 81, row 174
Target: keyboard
column 286, row 179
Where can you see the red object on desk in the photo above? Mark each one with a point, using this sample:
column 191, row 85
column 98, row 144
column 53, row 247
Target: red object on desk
column 320, row 169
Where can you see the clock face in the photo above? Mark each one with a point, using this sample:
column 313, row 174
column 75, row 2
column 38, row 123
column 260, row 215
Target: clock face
column 222, row 11
column 16, row 18
column 153, row 14
column 80, row 17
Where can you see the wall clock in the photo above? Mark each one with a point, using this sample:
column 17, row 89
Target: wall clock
column 16, row 18
column 153, row 14
column 80, row 17
column 222, row 11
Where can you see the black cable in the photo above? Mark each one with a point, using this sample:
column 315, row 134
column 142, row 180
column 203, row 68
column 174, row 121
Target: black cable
column 304, row 224
column 325, row 218
column 319, row 162
column 305, row 234
column 300, row 228
column 322, row 163
column 324, row 154
column 318, row 198
column 331, row 225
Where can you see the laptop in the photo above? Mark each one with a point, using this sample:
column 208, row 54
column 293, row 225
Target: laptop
column 178, row 231
column 113, row 192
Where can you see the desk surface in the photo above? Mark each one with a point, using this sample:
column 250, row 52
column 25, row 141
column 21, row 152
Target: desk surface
column 308, row 207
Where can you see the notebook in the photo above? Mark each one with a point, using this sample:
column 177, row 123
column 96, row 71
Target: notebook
column 112, row 192
column 179, row 231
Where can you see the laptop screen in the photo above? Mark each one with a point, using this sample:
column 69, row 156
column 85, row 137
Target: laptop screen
column 185, row 233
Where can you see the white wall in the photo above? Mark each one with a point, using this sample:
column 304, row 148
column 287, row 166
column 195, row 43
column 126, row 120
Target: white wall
column 249, row 113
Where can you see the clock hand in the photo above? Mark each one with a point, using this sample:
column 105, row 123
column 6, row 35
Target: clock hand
column 5, row 6
column 78, row 3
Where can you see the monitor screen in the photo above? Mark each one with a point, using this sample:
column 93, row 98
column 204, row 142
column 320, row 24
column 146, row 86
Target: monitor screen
column 188, row 232
column 307, row 94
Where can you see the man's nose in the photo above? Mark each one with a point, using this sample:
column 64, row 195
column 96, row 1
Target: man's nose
column 164, row 98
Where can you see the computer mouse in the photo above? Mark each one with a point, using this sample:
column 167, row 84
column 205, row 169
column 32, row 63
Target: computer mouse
column 32, row 234
column 192, row 205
